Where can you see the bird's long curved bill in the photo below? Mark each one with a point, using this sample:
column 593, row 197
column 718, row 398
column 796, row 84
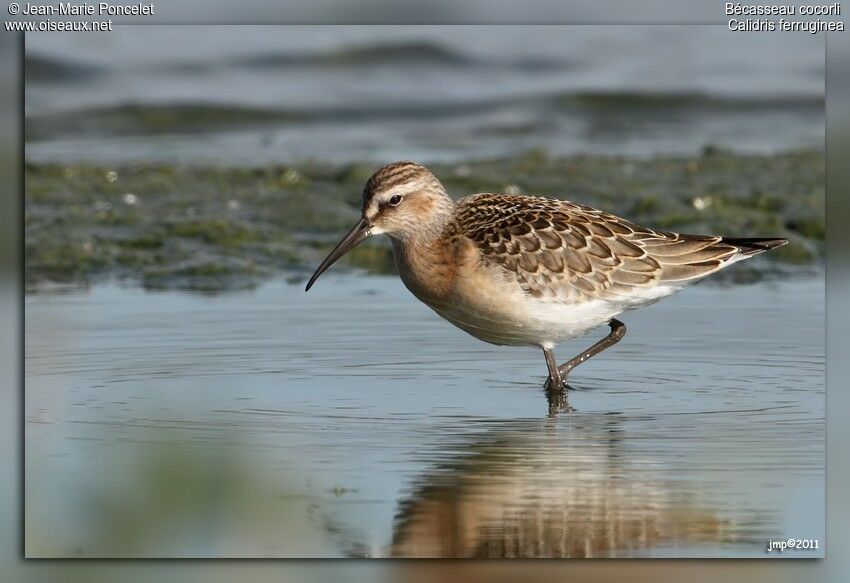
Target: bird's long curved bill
column 355, row 236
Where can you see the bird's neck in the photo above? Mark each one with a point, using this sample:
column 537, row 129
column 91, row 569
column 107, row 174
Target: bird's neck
column 426, row 258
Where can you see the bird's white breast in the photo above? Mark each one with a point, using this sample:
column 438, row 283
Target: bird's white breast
column 489, row 303
column 500, row 312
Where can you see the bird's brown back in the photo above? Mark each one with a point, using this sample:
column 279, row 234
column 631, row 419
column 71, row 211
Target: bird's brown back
column 565, row 250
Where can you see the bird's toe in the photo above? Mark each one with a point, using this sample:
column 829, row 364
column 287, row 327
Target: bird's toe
column 550, row 385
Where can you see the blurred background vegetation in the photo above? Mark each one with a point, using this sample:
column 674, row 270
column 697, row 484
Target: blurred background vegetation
column 222, row 228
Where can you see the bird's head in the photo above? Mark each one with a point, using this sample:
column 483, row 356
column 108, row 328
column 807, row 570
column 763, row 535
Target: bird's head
column 402, row 200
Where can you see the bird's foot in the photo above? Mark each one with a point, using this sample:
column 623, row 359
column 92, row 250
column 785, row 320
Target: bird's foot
column 550, row 386
column 556, row 393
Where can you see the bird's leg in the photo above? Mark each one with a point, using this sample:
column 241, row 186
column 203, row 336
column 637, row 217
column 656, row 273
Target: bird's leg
column 554, row 382
column 556, row 392
column 618, row 330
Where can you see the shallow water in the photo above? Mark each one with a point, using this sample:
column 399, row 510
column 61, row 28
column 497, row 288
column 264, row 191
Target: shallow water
column 352, row 421
column 427, row 93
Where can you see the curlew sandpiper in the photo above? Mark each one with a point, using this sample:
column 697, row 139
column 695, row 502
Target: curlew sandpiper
column 528, row 270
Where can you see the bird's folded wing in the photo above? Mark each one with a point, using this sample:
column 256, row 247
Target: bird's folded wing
column 570, row 252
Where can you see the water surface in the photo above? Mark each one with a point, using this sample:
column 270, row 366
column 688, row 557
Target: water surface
column 247, row 95
column 351, row 421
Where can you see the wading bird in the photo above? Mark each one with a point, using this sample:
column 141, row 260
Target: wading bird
column 527, row 270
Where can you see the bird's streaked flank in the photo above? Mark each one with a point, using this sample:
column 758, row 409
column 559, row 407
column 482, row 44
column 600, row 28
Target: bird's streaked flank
column 527, row 270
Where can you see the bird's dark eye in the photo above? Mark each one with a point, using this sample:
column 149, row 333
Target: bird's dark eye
column 395, row 200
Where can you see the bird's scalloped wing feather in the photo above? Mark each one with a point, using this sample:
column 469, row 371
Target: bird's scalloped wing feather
column 570, row 252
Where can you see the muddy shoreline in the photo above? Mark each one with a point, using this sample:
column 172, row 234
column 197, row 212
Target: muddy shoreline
column 214, row 228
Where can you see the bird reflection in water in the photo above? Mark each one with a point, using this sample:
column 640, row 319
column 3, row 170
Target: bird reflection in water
column 552, row 489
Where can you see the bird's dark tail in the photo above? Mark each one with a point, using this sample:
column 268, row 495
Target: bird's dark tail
column 753, row 246
column 691, row 257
